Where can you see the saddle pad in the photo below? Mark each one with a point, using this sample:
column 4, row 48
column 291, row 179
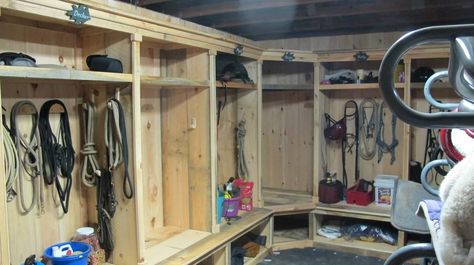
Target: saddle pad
column 407, row 197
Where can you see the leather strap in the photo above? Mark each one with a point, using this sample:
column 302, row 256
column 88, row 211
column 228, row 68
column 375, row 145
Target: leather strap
column 347, row 145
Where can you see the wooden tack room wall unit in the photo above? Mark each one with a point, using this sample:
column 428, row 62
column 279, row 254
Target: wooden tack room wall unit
column 169, row 93
column 287, row 144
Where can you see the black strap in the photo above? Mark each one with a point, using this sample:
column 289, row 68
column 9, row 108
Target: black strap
column 346, row 145
column 106, row 205
column 57, row 151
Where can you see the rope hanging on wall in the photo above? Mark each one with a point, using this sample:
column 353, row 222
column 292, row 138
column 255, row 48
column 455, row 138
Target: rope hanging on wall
column 242, row 169
column 116, row 143
column 90, row 163
column 57, row 151
column 29, row 153
column 383, row 146
column 368, row 128
column 11, row 162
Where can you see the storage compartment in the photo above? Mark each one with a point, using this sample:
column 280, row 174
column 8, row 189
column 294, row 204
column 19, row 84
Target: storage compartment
column 359, row 235
column 288, row 228
column 176, row 169
column 172, row 65
column 252, row 246
column 287, row 133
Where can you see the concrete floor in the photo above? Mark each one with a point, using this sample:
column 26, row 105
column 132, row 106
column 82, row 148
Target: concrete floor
column 312, row 256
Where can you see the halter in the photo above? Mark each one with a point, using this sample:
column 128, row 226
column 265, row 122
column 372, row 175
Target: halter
column 368, row 128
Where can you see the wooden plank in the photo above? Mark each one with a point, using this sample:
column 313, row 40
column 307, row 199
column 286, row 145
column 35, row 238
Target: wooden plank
column 213, row 135
column 275, row 15
column 287, row 87
column 137, row 148
column 300, row 55
column 292, row 245
column 172, row 82
column 192, row 11
column 370, row 212
column 406, row 143
column 236, row 85
column 4, row 231
column 259, row 197
column 379, row 250
column 62, row 74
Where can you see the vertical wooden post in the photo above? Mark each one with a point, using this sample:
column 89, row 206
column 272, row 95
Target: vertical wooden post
column 4, row 236
column 406, row 155
column 318, row 107
column 213, row 131
column 137, row 148
column 259, row 200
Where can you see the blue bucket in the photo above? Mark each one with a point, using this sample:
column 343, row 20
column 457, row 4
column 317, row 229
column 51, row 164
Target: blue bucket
column 69, row 260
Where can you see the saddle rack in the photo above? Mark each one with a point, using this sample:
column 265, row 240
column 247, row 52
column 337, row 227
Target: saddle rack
column 461, row 77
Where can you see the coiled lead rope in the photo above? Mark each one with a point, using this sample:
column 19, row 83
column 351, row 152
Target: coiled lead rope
column 116, row 142
column 242, row 169
column 12, row 164
column 90, row 163
column 29, row 153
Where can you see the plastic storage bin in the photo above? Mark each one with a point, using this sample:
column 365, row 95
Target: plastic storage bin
column 231, row 207
column 384, row 189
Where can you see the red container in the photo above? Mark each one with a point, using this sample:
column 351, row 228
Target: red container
column 363, row 198
column 246, row 194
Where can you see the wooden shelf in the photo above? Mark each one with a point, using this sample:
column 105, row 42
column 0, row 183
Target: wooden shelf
column 170, row 241
column 438, row 85
column 287, row 202
column 381, row 250
column 296, row 87
column 236, row 85
column 366, row 86
column 63, row 74
column 172, row 82
column 369, row 212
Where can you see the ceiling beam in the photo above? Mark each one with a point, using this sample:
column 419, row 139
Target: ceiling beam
column 206, row 9
column 366, row 23
column 312, row 12
column 151, row 2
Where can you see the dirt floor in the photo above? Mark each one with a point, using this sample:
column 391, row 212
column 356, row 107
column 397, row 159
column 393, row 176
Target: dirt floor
column 312, row 256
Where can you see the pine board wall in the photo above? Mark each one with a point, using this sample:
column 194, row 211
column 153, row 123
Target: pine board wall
column 334, row 43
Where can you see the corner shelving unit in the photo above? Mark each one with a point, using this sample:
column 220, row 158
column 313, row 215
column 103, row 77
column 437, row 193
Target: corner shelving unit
column 287, row 144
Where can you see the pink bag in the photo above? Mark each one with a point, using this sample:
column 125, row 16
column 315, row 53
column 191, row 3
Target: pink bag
column 246, row 193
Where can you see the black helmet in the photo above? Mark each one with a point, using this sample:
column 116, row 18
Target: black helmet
column 421, row 74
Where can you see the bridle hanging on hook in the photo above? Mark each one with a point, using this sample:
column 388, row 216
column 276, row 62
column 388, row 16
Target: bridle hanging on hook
column 346, row 145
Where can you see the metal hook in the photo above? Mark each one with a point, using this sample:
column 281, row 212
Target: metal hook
column 428, row 167
column 427, row 91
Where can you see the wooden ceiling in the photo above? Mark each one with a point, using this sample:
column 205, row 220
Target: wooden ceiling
column 278, row 19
